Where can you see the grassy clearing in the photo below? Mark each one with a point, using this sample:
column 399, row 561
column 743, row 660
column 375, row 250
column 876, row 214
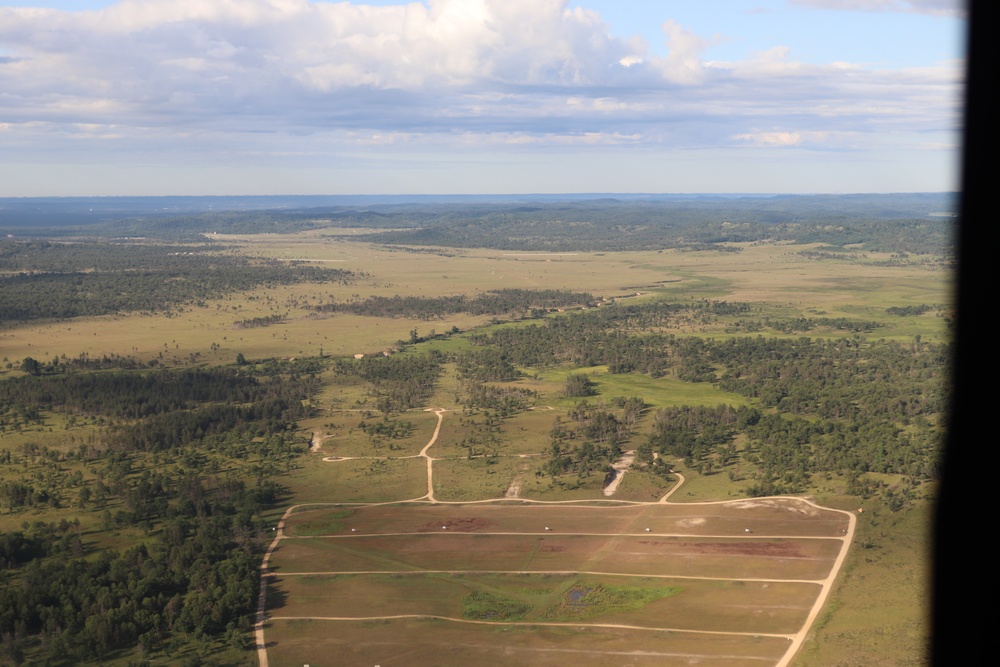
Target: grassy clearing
column 357, row 480
column 368, row 433
column 588, row 486
column 477, row 478
column 664, row 392
column 879, row 610
column 698, row 487
column 642, row 486
column 469, row 435
column 656, row 392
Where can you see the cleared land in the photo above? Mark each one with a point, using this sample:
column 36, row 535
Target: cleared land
column 784, row 517
column 732, row 606
column 422, row 641
column 740, row 571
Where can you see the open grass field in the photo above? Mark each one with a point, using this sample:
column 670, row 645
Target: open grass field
column 659, row 392
column 479, row 478
column 359, row 480
column 340, row 434
column 776, row 275
column 880, row 609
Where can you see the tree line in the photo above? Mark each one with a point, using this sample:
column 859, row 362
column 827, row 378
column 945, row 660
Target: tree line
column 493, row 302
column 85, row 279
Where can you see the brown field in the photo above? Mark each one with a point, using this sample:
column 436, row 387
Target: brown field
column 771, row 517
column 428, row 642
column 726, row 606
column 500, row 583
column 805, row 559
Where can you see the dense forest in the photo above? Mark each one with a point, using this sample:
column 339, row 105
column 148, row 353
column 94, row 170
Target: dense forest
column 688, row 230
column 196, row 573
column 824, row 404
column 40, row 280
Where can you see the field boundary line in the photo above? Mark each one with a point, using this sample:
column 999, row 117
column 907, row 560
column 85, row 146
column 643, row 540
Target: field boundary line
column 559, row 624
column 810, row 582
column 826, row 586
column 553, row 533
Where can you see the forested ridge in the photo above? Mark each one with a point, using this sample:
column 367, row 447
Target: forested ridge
column 889, row 223
column 687, row 230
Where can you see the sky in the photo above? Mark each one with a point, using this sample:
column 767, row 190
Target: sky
column 256, row 97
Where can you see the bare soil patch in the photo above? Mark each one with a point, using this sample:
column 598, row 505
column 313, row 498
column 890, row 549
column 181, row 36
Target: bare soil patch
column 773, row 549
column 465, row 525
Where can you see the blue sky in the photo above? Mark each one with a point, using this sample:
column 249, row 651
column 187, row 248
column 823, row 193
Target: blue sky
column 145, row 97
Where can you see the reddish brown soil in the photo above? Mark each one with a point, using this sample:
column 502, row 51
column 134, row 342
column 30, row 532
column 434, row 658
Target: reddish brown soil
column 774, row 549
column 467, row 525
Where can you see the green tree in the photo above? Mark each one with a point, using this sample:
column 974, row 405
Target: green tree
column 578, row 384
column 31, row 366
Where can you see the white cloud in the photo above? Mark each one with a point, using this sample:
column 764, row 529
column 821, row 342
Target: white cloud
column 932, row 7
column 809, row 139
column 771, row 138
column 297, row 78
column 683, row 63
